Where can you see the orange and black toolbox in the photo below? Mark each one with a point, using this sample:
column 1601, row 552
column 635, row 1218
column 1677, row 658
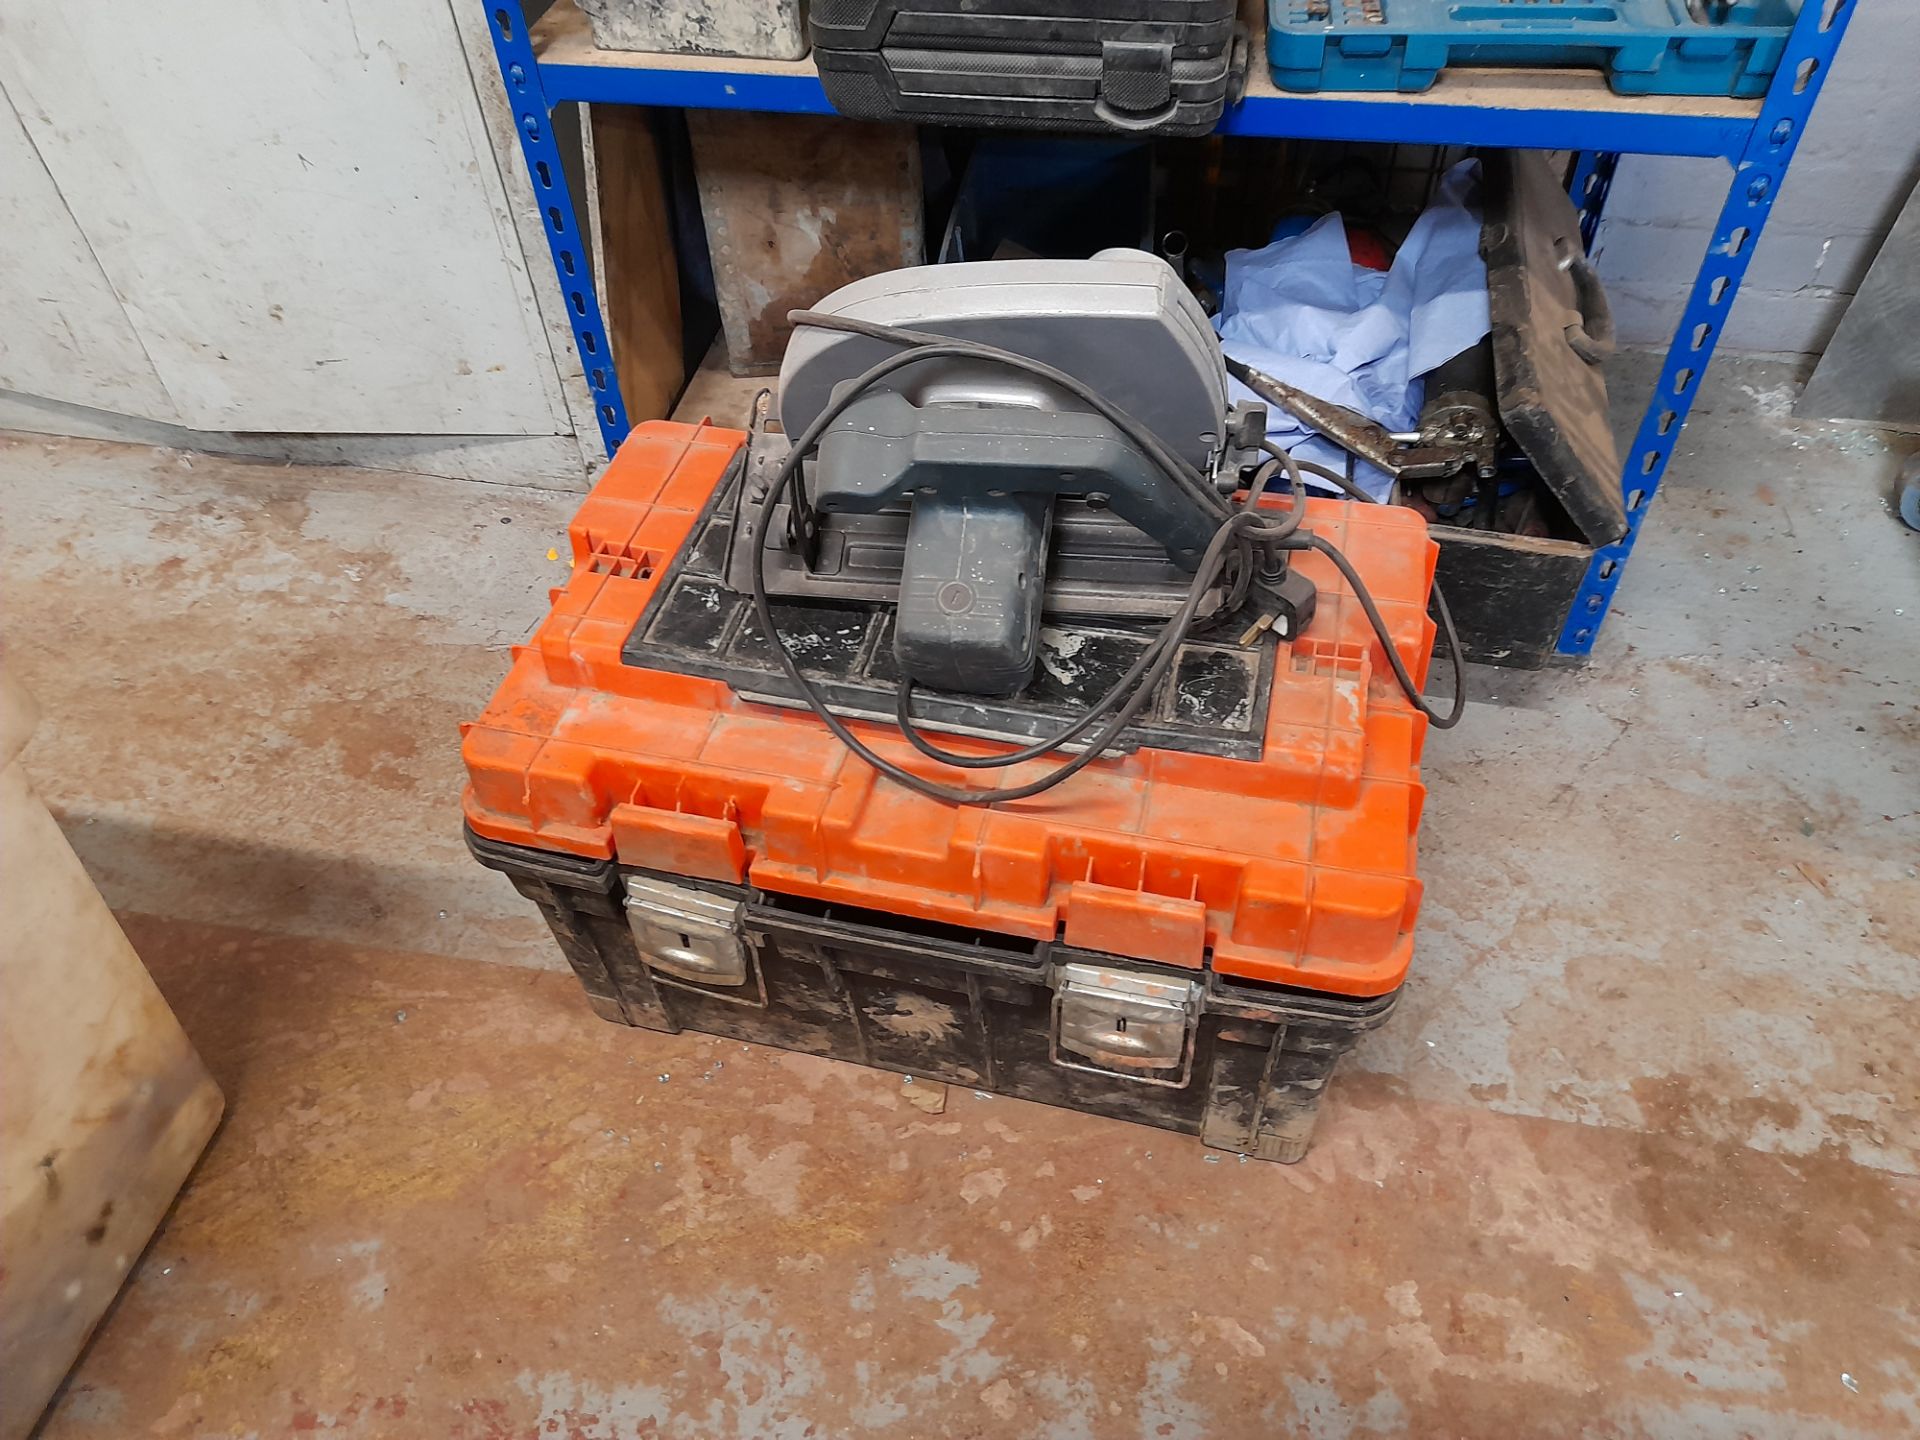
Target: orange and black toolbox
column 1188, row 933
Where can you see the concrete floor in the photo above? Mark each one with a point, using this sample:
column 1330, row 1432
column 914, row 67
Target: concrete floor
column 1638, row 1156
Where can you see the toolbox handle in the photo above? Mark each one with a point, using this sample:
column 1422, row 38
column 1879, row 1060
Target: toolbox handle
column 1133, row 119
column 1591, row 336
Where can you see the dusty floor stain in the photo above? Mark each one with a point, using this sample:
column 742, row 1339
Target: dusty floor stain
column 562, row 1238
column 1636, row 1157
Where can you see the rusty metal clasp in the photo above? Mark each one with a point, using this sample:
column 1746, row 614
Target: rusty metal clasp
column 1125, row 1022
column 690, row 934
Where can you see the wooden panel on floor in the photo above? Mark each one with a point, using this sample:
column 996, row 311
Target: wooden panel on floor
column 107, row 1106
column 638, row 276
column 796, row 206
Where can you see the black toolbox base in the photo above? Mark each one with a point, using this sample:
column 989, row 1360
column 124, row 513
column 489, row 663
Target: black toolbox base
column 965, row 1007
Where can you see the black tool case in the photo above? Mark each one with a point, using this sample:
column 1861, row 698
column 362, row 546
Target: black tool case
column 1239, row 1064
column 1162, row 67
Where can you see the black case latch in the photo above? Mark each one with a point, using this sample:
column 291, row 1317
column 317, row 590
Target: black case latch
column 1136, row 83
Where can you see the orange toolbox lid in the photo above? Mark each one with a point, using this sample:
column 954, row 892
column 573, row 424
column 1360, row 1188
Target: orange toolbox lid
column 1294, row 869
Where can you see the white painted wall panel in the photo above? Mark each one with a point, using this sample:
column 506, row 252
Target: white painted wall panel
column 63, row 334
column 298, row 206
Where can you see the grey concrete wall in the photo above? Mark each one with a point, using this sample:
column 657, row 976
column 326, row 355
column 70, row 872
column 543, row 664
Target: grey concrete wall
column 1855, row 167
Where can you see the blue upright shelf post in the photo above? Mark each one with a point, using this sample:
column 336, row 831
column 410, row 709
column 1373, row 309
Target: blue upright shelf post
column 1592, row 179
column 533, row 122
column 1758, row 171
column 1488, row 109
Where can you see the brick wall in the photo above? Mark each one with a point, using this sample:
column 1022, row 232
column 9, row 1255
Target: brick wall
column 1854, row 169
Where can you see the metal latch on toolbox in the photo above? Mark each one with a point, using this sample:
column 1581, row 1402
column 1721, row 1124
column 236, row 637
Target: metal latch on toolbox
column 1126, row 1019
column 690, row 934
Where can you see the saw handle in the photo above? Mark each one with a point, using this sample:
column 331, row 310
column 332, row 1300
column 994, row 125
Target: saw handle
column 981, row 480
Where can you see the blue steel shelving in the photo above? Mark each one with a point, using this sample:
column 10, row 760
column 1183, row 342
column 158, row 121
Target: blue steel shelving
column 555, row 63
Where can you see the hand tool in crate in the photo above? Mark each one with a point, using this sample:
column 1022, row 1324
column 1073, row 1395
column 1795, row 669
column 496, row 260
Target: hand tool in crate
column 1005, row 520
column 1644, row 47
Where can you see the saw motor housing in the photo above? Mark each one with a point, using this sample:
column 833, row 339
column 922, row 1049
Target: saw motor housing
column 993, row 468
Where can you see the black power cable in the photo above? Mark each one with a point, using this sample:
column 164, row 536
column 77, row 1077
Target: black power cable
column 1242, row 530
column 903, row 698
column 1361, row 593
